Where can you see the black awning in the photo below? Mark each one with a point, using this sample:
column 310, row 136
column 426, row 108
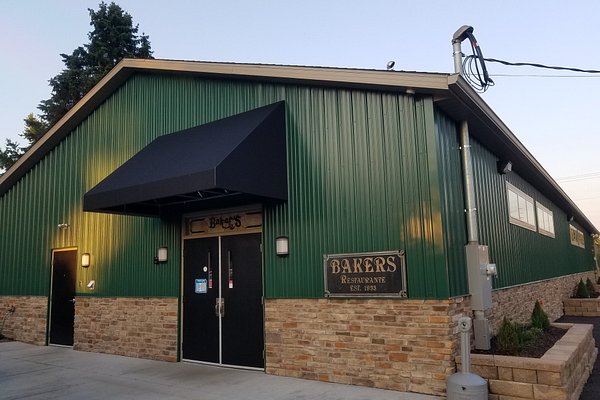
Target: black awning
column 235, row 160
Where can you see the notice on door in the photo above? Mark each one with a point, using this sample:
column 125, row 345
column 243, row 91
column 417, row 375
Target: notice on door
column 200, row 286
column 379, row 274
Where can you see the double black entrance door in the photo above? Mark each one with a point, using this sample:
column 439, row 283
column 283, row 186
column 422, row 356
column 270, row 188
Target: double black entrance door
column 222, row 300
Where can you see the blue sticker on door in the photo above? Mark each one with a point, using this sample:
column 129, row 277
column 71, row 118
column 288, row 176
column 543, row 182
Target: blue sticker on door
column 200, row 286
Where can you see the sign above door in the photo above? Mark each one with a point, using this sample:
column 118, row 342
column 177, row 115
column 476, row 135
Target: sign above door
column 224, row 223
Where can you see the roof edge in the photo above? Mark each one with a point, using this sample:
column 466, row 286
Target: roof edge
column 432, row 83
column 436, row 84
column 472, row 101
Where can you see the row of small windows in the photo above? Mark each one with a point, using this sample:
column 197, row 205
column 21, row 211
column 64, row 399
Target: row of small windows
column 523, row 210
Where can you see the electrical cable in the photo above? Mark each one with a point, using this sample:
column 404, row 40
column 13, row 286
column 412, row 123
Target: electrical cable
column 474, row 70
column 536, row 65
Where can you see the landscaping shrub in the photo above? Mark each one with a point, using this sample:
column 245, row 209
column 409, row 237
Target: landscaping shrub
column 530, row 334
column 508, row 338
column 539, row 319
column 590, row 287
column 581, row 291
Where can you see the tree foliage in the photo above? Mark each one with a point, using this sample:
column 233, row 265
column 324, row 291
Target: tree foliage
column 112, row 38
column 10, row 154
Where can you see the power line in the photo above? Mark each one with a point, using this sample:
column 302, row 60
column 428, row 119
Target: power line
column 536, row 65
column 545, row 76
column 587, row 198
column 582, row 177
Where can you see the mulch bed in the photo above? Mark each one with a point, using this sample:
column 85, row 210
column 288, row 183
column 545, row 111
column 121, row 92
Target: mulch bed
column 534, row 349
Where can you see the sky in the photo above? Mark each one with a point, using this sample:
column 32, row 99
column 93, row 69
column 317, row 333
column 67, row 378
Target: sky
column 553, row 116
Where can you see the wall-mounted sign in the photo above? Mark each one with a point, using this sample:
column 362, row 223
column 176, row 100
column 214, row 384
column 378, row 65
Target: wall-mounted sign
column 219, row 224
column 381, row 274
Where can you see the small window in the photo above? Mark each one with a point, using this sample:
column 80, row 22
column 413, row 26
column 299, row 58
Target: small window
column 577, row 238
column 521, row 208
column 545, row 220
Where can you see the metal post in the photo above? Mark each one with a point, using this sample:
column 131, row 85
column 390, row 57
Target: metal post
column 457, row 54
column 465, row 344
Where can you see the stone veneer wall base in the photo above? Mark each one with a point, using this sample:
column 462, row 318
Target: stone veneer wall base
column 28, row 323
column 401, row 344
column 134, row 327
column 516, row 302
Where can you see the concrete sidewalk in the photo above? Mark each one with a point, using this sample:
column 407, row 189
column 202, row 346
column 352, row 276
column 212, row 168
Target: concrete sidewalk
column 41, row 372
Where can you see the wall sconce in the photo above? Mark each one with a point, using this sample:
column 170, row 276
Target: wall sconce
column 161, row 255
column 91, row 285
column 282, row 246
column 504, row 166
column 85, row 260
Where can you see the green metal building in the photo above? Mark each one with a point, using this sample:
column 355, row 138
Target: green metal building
column 172, row 180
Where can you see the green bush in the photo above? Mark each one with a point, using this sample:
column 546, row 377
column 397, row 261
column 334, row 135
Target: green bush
column 508, row 338
column 539, row 319
column 530, row 334
column 590, row 287
column 581, row 292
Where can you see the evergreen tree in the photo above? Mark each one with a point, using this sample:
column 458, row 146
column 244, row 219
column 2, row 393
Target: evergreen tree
column 112, row 38
column 10, row 154
column 34, row 128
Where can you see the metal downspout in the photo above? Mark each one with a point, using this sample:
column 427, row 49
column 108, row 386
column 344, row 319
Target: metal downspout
column 467, row 175
column 468, row 184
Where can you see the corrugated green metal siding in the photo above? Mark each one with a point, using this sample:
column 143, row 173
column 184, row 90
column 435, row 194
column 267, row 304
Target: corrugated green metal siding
column 362, row 177
column 359, row 180
column 453, row 204
column 521, row 255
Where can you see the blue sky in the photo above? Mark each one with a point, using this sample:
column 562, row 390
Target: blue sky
column 554, row 117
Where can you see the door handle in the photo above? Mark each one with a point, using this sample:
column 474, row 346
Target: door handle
column 220, row 307
column 71, row 301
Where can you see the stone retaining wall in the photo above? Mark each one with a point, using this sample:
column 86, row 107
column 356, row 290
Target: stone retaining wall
column 28, row 322
column 582, row 307
column 134, row 327
column 516, row 303
column 560, row 374
column 398, row 344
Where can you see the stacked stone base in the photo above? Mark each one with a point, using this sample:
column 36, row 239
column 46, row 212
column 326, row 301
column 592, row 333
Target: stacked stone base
column 398, row 344
column 405, row 345
column 28, row 322
column 134, row 327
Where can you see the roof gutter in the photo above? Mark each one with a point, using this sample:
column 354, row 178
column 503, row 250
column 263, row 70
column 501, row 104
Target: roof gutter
column 481, row 112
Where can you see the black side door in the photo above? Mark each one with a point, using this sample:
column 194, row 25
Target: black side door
column 62, row 308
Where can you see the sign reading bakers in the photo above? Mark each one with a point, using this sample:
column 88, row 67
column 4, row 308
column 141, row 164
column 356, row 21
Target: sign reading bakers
column 380, row 274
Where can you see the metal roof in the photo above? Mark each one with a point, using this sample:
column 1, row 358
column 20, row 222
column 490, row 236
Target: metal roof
column 450, row 92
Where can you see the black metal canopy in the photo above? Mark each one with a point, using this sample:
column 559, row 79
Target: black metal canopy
column 235, row 160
